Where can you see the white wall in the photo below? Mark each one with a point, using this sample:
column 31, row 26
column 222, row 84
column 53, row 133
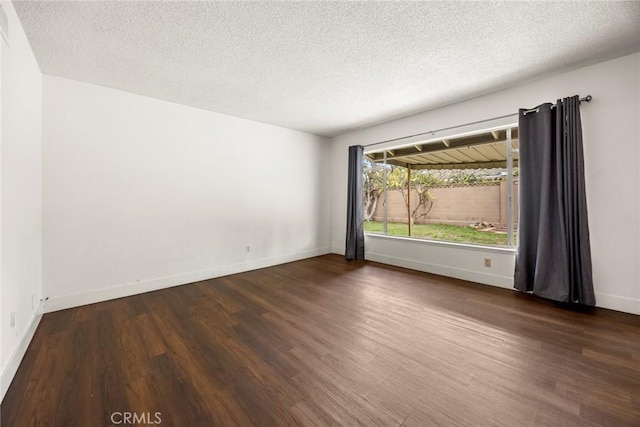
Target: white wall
column 612, row 156
column 141, row 194
column 20, row 197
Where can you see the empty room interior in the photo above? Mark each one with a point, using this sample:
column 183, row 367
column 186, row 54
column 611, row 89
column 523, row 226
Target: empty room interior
column 319, row 213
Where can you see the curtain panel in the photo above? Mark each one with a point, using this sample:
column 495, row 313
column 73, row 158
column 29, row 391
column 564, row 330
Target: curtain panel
column 553, row 259
column 355, row 215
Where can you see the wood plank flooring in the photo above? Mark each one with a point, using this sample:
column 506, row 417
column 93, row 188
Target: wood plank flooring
column 329, row 342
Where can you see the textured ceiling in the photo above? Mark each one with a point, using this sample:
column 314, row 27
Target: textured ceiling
column 322, row 67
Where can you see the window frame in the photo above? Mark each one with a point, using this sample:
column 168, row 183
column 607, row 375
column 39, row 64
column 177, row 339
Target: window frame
column 511, row 246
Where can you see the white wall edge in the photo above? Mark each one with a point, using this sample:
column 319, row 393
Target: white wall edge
column 10, row 369
column 62, row 302
column 618, row 303
column 443, row 270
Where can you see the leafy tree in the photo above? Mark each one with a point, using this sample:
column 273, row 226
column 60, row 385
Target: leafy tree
column 464, row 177
column 372, row 187
column 421, row 183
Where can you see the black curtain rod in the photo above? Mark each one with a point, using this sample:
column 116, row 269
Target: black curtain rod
column 587, row 98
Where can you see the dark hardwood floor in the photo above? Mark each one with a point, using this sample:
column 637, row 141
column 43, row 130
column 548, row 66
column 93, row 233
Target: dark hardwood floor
column 328, row 342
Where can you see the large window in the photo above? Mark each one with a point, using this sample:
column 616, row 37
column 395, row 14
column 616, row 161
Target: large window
column 462, row 189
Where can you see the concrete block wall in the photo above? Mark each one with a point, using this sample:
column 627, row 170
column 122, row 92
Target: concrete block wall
column 462, row 205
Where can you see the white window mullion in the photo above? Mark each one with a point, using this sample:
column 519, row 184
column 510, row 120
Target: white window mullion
column 384, row 192
column 509, row 154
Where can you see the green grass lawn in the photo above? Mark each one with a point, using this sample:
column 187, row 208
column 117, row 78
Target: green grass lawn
column 445, row 232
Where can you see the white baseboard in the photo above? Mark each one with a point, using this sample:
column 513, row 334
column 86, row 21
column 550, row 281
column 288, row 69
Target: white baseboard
column 62, row 302
column 618, row 303
column 444, row 270
column 608, row 301
column 10, row 369
column 268, row 262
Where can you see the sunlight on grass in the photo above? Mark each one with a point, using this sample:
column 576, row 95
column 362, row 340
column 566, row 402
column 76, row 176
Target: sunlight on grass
column 443, row 232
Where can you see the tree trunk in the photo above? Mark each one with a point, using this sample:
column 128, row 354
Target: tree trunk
column 370, row 208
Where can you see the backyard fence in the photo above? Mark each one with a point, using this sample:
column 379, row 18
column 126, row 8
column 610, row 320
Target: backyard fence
column 456, row 205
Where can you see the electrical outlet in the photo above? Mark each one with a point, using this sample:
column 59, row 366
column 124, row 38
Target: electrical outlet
column 487, row 262
column 247, row 248
column 12, row 320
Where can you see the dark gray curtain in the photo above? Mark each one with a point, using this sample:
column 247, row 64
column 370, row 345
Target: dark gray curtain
column 554, row 255
column 355, row 217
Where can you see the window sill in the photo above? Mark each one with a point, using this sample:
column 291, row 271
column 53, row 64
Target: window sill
column 465, row 246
